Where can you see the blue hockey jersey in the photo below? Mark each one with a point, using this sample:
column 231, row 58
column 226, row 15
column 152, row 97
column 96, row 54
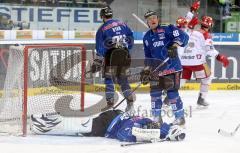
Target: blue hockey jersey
column 121, row 127
column 110, row 32
column 156, row 46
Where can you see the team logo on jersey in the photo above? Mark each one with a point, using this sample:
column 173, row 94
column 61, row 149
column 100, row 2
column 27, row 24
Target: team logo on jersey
column 199, row 56
column 158, row 43
column 161, row 36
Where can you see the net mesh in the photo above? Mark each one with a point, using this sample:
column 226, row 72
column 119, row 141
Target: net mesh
column 52, row 73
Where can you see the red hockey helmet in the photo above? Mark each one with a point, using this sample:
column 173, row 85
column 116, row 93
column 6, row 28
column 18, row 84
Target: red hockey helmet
column 207, row 21
column 181, row 22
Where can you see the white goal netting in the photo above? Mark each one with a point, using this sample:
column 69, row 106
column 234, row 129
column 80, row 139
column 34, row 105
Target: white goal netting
column 38, row 79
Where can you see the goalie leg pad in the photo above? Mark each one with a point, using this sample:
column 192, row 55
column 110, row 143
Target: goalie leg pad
column 58, row 125
column 166, row 132
column 145, row 134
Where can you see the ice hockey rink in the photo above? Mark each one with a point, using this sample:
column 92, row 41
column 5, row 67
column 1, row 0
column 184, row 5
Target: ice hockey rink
column 201, row 129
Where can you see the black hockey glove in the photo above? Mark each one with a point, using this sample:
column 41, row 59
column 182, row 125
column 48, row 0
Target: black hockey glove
column 97, row 65
column 172, row 52
column 145, row 75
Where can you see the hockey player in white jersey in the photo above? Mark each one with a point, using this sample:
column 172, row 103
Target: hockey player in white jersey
column 193, row 56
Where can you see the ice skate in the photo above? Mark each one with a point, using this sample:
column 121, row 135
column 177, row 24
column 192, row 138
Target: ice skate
column 201, row 102
column 179, row 121
column 110, row 104
column 130, row 106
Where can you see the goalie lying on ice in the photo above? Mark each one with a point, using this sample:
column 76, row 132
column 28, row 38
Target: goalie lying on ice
column 110, row 124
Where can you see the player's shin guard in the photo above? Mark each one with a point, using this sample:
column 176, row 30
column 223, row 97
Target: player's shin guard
column 126, row 90
column 130, row 97
column 177, row 107
column 204, row 87
column 156, row 109
column 109, row 92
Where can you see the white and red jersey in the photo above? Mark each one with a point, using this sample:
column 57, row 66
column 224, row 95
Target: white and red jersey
column 189, row 16
column 210, row 49
column 199, row 46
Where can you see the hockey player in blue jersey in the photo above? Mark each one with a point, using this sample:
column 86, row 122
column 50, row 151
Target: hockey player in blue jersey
column 110, row 124
column 160, row 43
column 114, row 39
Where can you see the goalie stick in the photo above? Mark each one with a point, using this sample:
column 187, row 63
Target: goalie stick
column 228, row 134
column 141, row 143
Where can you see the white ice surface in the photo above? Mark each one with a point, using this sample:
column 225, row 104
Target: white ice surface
column 201, row 129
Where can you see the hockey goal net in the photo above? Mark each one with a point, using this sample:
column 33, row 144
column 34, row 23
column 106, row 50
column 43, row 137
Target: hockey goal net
column 38, row 76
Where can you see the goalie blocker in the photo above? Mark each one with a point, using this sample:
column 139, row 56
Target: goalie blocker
column 111, row 124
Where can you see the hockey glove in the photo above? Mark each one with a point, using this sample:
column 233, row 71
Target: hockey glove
column 193, row 22
column 172, row 51
column 145, row 75
column 223, row 59
column 195, row 6
column 97, row 65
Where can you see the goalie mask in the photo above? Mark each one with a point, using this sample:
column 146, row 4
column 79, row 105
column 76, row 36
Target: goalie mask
column 106, row 12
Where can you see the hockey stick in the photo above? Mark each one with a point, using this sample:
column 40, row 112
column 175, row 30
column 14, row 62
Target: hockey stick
column 129, row 94
column 228, row 134
column 135, row 143
column 140, row 20
column 160, row 65
column 141, row 143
